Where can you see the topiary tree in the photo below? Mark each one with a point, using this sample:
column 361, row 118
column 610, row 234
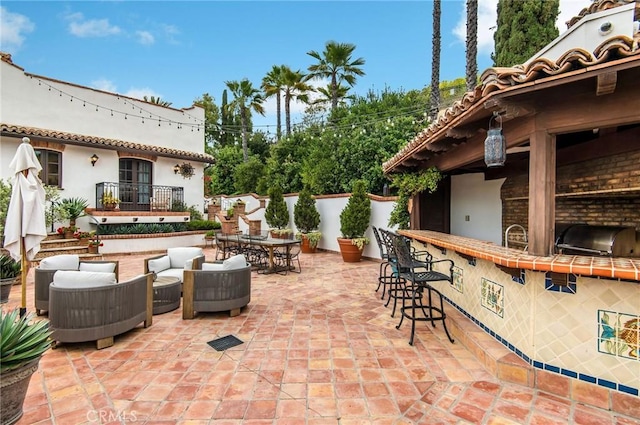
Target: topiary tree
column 305, row 214
column 276, row 213
column 355, row 217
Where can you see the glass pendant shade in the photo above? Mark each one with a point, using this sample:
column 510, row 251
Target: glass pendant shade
column 495, row 147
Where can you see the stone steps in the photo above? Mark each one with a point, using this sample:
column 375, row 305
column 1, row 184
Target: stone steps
column 54, row 245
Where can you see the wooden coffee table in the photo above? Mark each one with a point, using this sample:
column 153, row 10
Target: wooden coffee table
column 166, row 294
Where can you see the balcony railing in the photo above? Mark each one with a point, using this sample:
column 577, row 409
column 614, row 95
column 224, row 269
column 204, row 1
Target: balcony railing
column 140, row 197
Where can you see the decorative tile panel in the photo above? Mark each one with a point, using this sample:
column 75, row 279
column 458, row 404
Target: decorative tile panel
column 457, row 279
column 492, row 297
column 619, row 334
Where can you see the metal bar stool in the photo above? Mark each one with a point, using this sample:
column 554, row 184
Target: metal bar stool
column 421, row 275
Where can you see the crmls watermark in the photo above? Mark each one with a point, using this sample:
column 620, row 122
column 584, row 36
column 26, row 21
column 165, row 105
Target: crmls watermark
column 106, row 415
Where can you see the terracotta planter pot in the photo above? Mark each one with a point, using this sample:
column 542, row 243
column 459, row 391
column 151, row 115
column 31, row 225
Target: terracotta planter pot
column 350, row 252
column 306, row 247
column 68, row 235
column 14, row 385
column 5, row 288
column 93, row 249
column 83, row 241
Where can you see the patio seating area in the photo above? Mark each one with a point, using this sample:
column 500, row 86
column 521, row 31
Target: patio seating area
column 319, row 347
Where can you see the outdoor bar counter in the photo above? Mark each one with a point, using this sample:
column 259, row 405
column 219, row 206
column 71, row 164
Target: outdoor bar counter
column 607, row 267
column 574, row 316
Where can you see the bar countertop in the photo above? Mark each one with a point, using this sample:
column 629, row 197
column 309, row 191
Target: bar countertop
column 606, row 267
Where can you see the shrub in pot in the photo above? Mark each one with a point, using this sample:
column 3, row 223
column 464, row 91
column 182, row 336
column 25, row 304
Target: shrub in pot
column 9, row 273
column 24, row 341
column 277, row 213
column 307, row 219
column 73, row 208
column 354, row 221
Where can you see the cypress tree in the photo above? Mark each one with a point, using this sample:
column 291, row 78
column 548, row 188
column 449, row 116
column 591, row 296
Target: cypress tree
column 276, row 214
column 523, row 28
column 355, row 217
column 305, row 214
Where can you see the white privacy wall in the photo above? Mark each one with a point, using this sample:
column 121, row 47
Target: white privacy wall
column 477, row 199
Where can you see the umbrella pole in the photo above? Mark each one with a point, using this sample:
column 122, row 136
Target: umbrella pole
column 23, row 278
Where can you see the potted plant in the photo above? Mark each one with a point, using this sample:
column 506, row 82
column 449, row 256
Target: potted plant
column 73, row 208
column 94, row 245
column 109, row 201
column 67, row 232
column 24, row 341
column 83, row 237
column 354, row 221
column 307, row 219
column 277, row 213
column 9, row 275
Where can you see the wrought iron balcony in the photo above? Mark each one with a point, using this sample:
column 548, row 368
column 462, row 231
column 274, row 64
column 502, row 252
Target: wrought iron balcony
column 139, row 197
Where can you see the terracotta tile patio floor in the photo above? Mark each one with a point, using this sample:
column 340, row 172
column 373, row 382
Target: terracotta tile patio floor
column 319, row 348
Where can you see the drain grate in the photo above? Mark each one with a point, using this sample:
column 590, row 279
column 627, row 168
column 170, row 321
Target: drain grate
column 225, row 342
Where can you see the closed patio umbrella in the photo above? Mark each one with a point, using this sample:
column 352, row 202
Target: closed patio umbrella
column 25, row 227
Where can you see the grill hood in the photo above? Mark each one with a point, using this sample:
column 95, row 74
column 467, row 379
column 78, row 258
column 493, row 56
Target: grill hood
column 584, row 239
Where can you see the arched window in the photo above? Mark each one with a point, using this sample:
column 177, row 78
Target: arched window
column 51, row 162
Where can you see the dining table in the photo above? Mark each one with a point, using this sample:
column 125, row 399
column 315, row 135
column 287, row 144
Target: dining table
column 260, row 240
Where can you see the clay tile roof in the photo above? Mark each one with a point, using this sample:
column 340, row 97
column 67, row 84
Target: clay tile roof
column 498, row 79
column 105, row 143
column 599, row 6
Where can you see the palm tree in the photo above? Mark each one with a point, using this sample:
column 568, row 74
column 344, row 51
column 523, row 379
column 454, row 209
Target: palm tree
column 336, row 64
column 272, row 86
column 472, row 44
column 246, row 98
column 294, row 86
column 435, row 63
column 156, row 101
column 325, row 93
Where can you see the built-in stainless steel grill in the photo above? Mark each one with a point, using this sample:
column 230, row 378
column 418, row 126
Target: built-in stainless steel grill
column 584, row 239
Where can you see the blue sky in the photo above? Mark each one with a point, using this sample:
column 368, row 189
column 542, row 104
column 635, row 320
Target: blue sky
column 180, row 50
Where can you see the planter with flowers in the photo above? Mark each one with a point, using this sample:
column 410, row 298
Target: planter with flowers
column 67, row 232
column 94, row 246
column 83, row 237
column 109, row 201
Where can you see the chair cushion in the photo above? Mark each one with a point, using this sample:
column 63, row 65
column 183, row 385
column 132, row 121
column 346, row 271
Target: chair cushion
column 180, row 255
column 177, row 273
column 234, row 263
column 60, row 262
column 78, row 279
column 159, row 264
column 212, row 266
column 97, row 267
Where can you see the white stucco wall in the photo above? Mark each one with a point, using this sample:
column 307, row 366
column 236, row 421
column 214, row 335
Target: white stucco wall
column 479, row 199
column 586, row 33
column 32, row 101
column 329, row 208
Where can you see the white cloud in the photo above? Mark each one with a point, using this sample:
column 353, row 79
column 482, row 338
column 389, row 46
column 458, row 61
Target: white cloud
column 91, row 27
column 139, row 93
column 13, row 28
column 145, row 37
column 297, row 108
column 104, row 85
column 487, row 16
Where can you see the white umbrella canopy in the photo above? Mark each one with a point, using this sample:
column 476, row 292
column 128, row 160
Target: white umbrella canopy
column 26, row 226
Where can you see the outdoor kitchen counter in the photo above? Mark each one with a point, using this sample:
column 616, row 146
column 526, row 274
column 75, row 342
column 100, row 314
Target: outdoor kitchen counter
column 607, row 267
